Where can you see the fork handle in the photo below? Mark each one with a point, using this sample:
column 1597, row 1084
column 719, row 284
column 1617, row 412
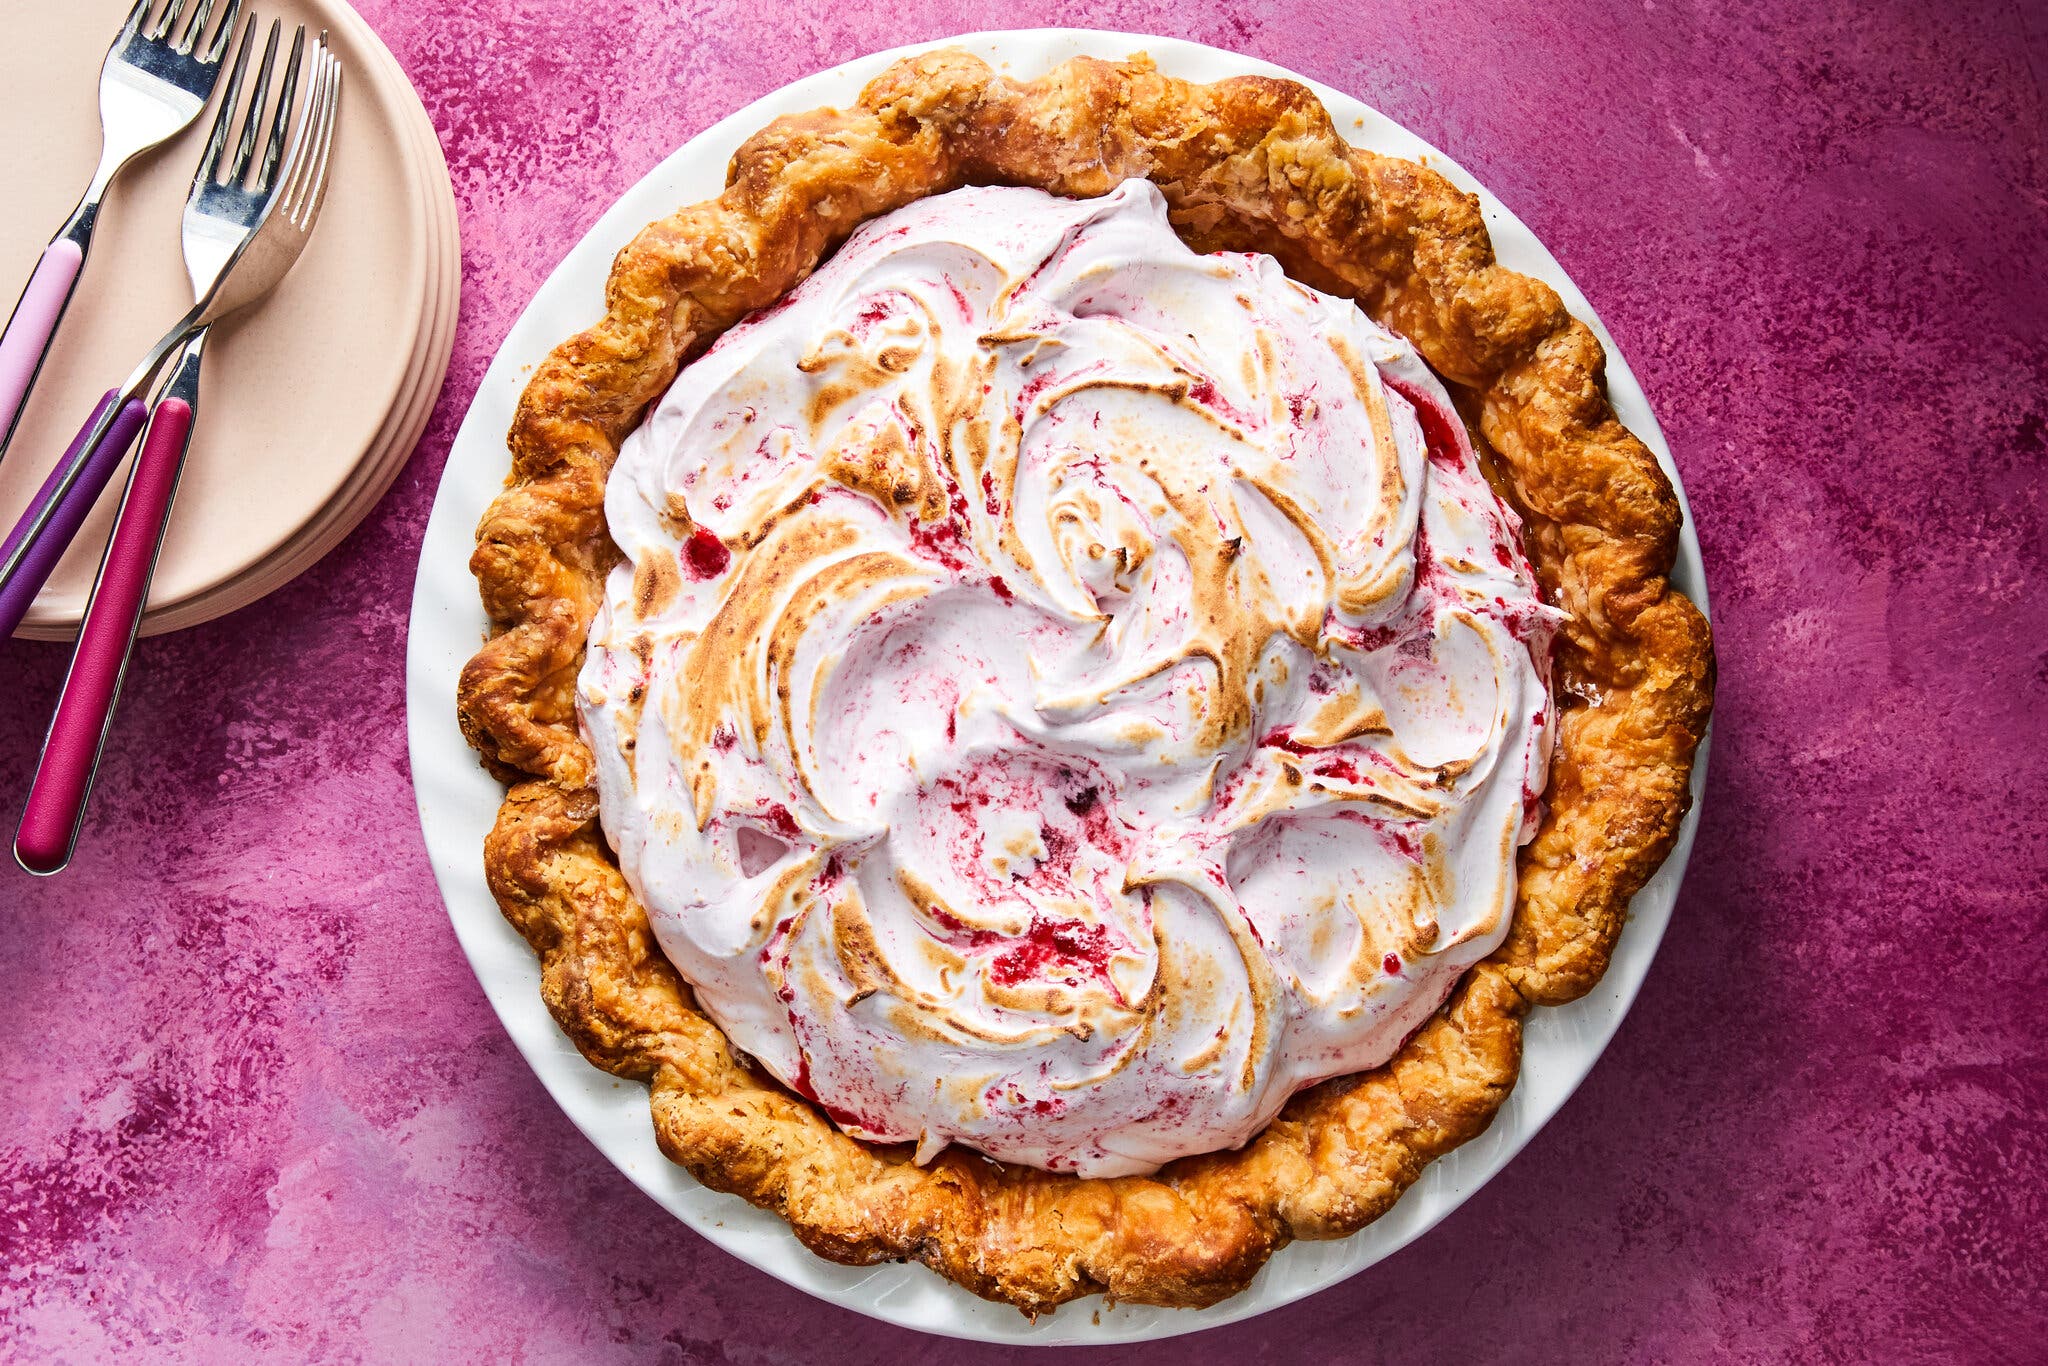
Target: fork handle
column 27, row 339
column 51, row 820
column 38, row 540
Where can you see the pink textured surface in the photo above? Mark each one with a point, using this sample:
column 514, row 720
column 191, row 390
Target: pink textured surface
column 259, row 1107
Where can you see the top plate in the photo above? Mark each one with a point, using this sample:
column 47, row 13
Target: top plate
column 458, row 800
column 294, row 390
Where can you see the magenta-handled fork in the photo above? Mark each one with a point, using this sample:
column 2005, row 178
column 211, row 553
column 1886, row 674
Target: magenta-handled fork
column 85, row 709
column 157, row 77
column 239, row 241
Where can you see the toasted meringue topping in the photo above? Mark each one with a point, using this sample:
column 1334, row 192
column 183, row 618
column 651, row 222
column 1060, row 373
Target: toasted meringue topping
column 1064, row 693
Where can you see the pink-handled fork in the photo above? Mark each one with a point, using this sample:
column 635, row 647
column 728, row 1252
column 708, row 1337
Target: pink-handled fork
column 106, row 637
column 157, row 77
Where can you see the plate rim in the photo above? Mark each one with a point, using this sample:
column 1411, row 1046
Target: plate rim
column 437, row 645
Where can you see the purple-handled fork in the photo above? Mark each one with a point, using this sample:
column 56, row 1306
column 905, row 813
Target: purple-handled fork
column 158, row 75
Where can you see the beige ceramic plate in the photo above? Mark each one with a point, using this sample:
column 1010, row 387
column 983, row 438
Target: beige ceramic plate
column 298, row 391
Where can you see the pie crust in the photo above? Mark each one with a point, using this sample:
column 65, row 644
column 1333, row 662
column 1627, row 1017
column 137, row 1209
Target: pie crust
column 1251, row 163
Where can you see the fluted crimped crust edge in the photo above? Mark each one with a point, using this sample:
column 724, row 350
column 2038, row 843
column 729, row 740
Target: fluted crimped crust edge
column 1251, row 163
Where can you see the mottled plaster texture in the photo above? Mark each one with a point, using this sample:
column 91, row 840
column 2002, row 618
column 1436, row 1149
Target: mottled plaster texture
column 257, row 1107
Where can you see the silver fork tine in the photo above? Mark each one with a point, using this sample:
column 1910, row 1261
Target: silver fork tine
column 209, row 160
column 306, row 176
column 168, row 20
column 309, row 207
column 294, row 177
column 211, row 53
column 299, row 183
column 246, row 148
column 137, row 15
column 186, row 40
column 280, row 122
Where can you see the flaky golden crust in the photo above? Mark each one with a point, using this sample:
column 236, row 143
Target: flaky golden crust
column 1250, row 163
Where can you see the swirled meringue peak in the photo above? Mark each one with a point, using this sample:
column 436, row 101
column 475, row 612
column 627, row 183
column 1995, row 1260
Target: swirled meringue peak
column 1064, row 693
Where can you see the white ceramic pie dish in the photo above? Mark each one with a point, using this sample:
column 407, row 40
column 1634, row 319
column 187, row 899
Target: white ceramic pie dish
column 458, row 800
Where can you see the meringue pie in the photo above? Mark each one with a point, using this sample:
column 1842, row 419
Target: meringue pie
column 1071, row 657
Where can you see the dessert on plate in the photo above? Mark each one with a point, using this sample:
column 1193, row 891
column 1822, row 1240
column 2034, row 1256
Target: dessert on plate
column 1071, row 657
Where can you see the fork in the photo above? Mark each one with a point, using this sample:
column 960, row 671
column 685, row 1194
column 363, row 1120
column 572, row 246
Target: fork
column 157, row 76
column 214, row 231
column 239, row 241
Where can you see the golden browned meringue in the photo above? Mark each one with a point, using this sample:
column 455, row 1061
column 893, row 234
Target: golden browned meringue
column 1064, row 693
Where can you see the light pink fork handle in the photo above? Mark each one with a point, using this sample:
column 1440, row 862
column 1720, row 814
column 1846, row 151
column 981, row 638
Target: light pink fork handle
column 34, row 322
column 56, row 798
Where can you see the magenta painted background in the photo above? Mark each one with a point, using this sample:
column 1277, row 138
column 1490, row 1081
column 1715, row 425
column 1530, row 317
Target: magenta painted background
column 256, row 1106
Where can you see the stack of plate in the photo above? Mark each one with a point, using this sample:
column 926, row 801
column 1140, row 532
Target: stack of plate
column 310, row 403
